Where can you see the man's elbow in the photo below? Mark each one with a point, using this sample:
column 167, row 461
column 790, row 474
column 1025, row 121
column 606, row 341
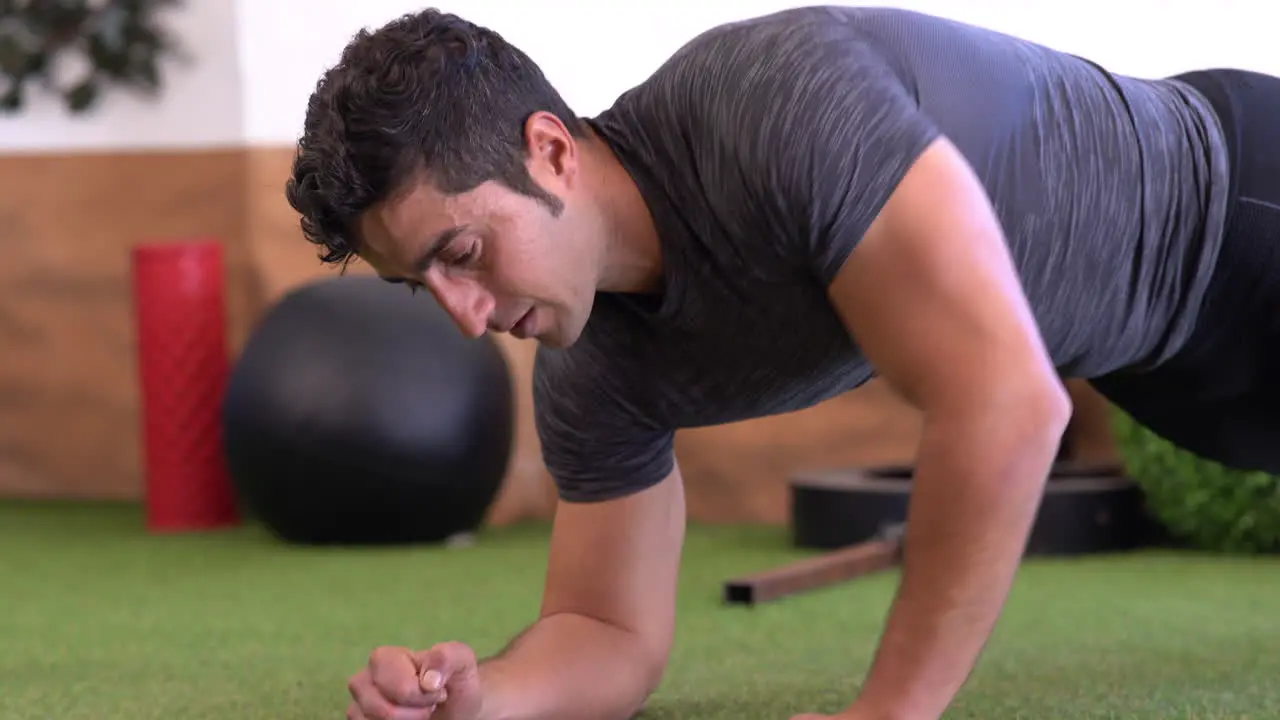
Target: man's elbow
column 653, row 659
column 1032, row 415
column 1028, row 413
column 1043, row 403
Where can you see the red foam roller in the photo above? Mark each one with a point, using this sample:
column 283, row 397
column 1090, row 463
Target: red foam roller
column 183, row 364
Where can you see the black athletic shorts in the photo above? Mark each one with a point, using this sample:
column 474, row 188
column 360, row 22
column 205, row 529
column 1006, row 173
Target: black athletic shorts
column 1219, row 397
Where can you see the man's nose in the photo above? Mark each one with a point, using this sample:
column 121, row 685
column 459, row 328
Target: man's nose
column 469, row 304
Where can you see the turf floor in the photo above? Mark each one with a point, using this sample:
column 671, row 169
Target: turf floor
column 99, row 620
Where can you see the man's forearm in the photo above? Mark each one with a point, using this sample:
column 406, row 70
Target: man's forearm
column 566, row 667
column 977, row 487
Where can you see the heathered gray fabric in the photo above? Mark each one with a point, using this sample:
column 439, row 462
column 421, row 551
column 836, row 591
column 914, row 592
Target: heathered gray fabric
column 765, row 148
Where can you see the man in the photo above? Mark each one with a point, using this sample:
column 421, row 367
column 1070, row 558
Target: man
column 787, row 206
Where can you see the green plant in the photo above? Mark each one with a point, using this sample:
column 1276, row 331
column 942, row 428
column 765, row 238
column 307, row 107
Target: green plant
column 120, row 40
column 1198, row 501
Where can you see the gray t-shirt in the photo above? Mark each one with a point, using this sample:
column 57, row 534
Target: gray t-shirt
column 765, row 148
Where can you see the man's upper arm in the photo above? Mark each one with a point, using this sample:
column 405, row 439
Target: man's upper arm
column 934, row 299
column 618, row 561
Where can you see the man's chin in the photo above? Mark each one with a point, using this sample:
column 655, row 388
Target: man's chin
column 558, row 338
column 554, row 341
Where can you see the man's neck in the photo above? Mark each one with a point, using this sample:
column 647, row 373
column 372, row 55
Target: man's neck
column 633, row 250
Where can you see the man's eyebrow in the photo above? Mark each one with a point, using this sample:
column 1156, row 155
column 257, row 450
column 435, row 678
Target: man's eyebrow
column 429, row 255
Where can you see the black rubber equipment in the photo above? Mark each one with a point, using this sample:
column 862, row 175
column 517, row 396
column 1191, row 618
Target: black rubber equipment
column 1086, row 509
column 360, row 414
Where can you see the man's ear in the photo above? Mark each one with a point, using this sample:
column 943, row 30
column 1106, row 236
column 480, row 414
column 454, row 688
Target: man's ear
column 550, row 147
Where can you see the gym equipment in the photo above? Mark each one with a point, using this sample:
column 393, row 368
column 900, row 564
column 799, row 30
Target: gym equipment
column 1086, row 508
column 178, row 291
column 858, row 515
column 359, row 414
column 879, row 553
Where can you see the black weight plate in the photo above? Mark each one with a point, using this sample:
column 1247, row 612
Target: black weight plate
column 1085, row 509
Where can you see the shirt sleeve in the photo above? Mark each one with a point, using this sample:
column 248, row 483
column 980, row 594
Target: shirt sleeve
column 595, row 444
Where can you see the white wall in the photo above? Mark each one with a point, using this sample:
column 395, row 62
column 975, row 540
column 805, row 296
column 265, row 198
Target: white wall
column 256, row 61
column 200, row 105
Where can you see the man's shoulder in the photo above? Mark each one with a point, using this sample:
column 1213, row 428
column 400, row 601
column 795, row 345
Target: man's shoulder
column 778, row 70
column 799, row 26
column 736, row 50
column 588, row 383
column 728, row 54
column 597, row 429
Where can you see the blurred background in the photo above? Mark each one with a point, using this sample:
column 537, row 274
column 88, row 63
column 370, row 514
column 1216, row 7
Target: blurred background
column 102, row 621
column 207, row 156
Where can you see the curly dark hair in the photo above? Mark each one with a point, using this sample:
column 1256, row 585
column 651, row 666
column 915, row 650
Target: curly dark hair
column 428, row 95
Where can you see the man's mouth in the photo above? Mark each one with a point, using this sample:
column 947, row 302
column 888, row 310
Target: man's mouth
column 522, row 327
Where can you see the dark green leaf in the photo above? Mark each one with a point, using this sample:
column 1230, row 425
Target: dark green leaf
column 82, row 95
column 11, row 101
column 13, row 58
column 121, row 39
column 148, row 74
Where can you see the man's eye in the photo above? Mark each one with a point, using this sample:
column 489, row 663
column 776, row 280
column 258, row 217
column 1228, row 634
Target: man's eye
column 464, row 257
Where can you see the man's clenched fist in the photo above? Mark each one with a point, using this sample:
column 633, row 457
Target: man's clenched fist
column 441, row 683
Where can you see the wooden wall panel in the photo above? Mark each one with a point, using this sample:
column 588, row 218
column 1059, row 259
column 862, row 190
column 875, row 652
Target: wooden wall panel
column 68, row 391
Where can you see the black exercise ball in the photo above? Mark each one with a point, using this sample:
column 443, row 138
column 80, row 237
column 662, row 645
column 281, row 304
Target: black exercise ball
column 358, row 413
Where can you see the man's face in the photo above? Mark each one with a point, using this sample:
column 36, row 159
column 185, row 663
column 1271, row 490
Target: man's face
column 493, row 258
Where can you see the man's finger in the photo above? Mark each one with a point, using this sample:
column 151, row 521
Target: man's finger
column 370, row 704
column 442, row 663
column 357, row 681
column 395, row 677
column 355, row 712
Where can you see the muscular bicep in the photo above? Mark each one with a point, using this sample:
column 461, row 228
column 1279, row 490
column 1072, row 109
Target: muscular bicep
column 934, row 299
column 617, row 561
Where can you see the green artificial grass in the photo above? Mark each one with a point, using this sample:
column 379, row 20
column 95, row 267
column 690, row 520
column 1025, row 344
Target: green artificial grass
column 99, row 620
